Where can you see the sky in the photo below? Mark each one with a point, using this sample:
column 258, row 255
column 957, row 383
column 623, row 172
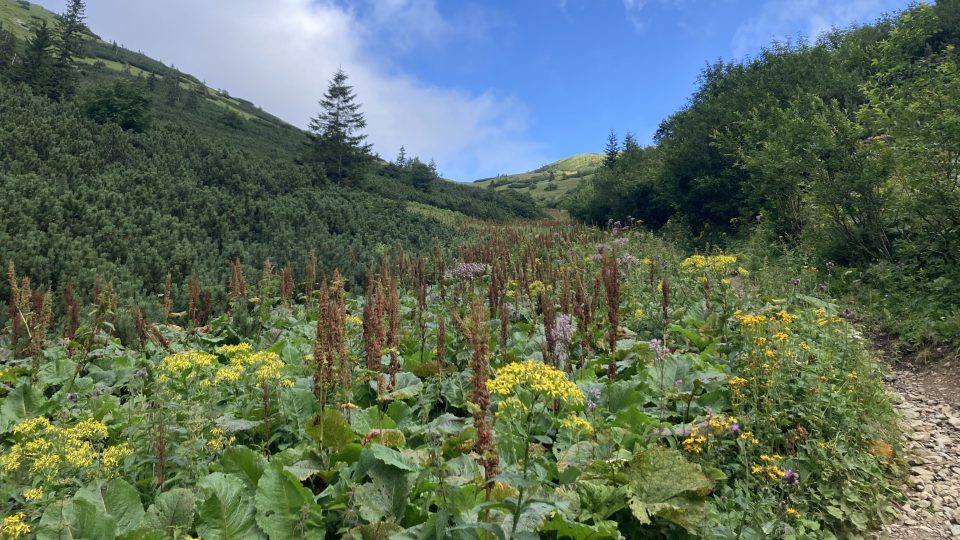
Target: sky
column 481, row 87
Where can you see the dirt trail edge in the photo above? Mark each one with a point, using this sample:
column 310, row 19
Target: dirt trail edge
column 929, row 399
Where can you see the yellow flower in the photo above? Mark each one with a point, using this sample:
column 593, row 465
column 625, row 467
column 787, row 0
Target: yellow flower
column 47, row 465
column 770, row 353
column 804, row 346
column 34, row 494
column 537, row 377
column 537, row 288
column 353, row 319
column 233, row 350
column 781, row 336
column 81, row 455
column 638, row 314
column 792, row 512
column 228, row 374
column 717, row 263
column 176, row 364
column 13, row 526
column 113, row 456
column 512, row 403
column 32, row 425
column 694, row 442
column 574, row 423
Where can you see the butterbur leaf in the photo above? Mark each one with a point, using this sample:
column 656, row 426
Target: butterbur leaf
column 21, row 403
column 77, row 518
column 299, row 405
column 531, row 518
column 368, row 419
column 385, row 496
column 116, row 499
column 392, row 457
column 331, row 429
column 286, row 509
column 664, row 484
column 226, row 513
column 244, row 463
column 171, row 512
column 574, row 530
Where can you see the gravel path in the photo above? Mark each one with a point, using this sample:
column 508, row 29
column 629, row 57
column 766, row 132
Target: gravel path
column 932, row 417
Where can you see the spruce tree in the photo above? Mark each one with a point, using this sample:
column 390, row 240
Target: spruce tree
column 8, row 53
column 69, row 46
column 612, row 150
column 336, row 140
column 36, row 67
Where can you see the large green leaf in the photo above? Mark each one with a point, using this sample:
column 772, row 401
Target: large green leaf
column 299, row 405
column 286, row 509
column 392, row 457
column 663, row 483
column 385, row 496
column 77, row 519
column 21, row 403
column 244, row 463
column 172, row 512
column 574, row 530
column 117, row 499
column 331, row 429
column 226, row 514
column 368, row 419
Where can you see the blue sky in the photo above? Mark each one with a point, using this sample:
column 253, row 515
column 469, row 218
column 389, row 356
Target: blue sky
column 488, row 87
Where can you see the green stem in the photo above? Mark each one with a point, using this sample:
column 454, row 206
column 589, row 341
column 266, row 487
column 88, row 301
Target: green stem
column 526, row 462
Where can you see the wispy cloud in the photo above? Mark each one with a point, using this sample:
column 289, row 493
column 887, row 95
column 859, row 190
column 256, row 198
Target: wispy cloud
column 281, row 55
column 780, row 19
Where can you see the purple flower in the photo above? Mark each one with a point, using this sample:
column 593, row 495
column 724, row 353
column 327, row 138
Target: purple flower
column 660, row 351
column 562, row 335
column 602, row 247
column 791, row 477
column 619, row 242
column 72, row 396
column 596, row 257
column 469, row 271
column 593, row 399
column 628, row 260
column 734, row 428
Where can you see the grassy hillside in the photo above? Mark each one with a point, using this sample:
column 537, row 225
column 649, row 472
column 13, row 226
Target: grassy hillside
column 188, row 102
column 549, row 184
column 209, row 179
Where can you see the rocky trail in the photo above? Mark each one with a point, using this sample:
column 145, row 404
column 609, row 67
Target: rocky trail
column 929, row 399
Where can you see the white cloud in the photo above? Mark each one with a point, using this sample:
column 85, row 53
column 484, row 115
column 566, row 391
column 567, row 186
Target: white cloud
column 781, row 19
column 281, row 54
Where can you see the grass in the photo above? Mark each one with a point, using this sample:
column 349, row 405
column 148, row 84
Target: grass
column 568, row 175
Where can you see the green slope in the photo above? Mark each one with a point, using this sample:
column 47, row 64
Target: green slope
column 213, row 178
column 549, row 184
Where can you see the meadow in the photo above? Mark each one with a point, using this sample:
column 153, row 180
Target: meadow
column 531, row 380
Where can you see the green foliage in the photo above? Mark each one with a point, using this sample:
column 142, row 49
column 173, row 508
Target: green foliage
column 122, row 102
column 693, row 438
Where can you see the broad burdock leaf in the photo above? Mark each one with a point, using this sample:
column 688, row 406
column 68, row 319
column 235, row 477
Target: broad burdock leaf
column 331, row 429
column 286, row 509
column 118, row 499
column 230, row 424
column 244, row 463
column 386, row 495
column 298, row 405
column 172, row 512
column 663, row 483
column 21, row 403
column 75, row 519
column 226, row 513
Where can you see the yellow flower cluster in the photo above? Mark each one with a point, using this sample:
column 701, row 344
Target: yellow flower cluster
column 231, row 350
column 770, row 466
column 13, row 526
column 176, row 364
column 748, row 437
column 694, row 442
column 721, row 424
column 736, row 382
column 354, row 320
column 48, row 448
column 537, row 288
column 537, row 377
column 792, row 512
column 749, row 320
column 265, row 364
column 33, row 494
column 511, row 403
column 717, row 263
column 576, row 423
column 218, row 440
column 113, row 457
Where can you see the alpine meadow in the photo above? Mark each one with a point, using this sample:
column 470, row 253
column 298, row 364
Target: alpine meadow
column 223, row 325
